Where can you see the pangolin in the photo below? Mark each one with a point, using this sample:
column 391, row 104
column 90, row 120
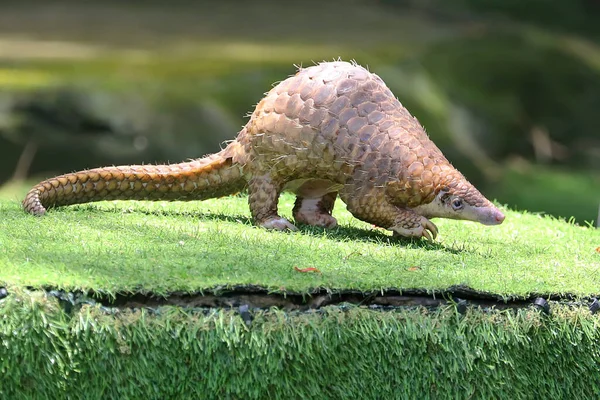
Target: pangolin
column 331, row 129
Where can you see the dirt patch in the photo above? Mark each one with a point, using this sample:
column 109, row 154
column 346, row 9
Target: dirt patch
column 252, row 297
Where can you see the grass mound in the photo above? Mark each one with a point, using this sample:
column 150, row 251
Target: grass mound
column 191, row 247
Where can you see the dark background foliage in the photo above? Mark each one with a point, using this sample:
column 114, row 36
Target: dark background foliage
column 509, row 90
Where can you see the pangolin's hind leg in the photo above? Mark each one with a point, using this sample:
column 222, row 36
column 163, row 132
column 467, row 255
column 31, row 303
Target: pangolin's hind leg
column 263, row 196
column 316, row 210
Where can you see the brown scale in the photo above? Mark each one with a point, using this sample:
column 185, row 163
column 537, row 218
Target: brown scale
column 334, row 128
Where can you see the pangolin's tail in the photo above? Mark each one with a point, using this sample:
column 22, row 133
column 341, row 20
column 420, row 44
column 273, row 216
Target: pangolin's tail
column 212, row 176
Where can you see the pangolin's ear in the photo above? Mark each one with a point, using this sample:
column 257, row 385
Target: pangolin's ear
column 444, row 195
column 405, row 194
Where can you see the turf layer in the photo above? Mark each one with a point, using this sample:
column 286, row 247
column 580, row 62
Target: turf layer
column 336, row 353
column 163, row 247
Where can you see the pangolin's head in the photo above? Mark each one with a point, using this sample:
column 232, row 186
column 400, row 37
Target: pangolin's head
column 456, row 198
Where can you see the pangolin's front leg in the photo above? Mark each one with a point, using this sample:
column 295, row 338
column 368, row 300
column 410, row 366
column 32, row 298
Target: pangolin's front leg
column 263, row 196
column 410, row 224
column 374, row 207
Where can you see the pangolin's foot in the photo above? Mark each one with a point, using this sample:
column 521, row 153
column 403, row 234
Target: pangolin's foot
column 316, row 219
column 316, row 212
column 415, row 228
column 278, row 224
column 263, row 196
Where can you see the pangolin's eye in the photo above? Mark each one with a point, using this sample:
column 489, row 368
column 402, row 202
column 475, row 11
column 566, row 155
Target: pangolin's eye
column 457, row 204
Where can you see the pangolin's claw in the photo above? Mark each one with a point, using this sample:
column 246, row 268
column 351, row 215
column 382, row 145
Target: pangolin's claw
column 426, row 235
column 432, row 228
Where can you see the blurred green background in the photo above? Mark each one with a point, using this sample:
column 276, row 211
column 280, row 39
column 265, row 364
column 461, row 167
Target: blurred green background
column 508, row 89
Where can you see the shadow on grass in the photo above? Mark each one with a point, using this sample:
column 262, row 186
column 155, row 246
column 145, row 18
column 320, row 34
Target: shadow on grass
column 349, row 233
column 339, row 233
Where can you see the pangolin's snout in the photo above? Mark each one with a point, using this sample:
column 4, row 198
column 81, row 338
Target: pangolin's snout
column 499, row 217
column 492, row 217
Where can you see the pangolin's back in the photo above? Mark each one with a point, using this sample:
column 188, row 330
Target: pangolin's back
column 330, row 119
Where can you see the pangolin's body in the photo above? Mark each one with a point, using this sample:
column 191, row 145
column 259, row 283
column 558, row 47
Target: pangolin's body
column 334, row 128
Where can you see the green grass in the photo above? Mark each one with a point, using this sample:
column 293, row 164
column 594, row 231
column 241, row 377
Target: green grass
column 550, row 189
column 334, row 353
column 164, row 247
